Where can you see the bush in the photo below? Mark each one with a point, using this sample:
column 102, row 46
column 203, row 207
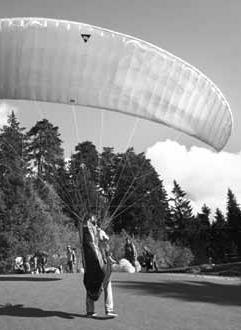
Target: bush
column 6, row 266
column 117, row 243
column 176, row 256
column 167, row 255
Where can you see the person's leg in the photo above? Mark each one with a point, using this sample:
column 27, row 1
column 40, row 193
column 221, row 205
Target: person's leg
column 71, row 267
column 108, row 295
column 155, row 263
column 90, row 306
column 155, row 266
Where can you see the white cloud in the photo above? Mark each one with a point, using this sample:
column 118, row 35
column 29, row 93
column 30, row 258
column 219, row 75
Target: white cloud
column 204, row 175
column 5, row 110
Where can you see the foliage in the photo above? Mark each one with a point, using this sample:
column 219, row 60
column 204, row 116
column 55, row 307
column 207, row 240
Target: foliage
column 139, row 201
column 200, row 241
column 219, row 238
column 30, row 218
column 43, row 198
column 167, row 254
column 44, row 150
column 181, row 218
column 234, row 221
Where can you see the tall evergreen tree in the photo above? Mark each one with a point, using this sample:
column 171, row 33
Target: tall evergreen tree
column 81, row 190
column 181, row 220
column 219, row 233
column 139, row 204
column 13, row 177
column 13, row 161
column 234, row 220
column 201, row 238
column 85, row 155
column 45, row 150
column 107, row 179
column 13, row 152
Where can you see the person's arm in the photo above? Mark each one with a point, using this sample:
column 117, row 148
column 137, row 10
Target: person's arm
column 81, row 237
column 74, row 257
column 134, row 251
column 102, row 235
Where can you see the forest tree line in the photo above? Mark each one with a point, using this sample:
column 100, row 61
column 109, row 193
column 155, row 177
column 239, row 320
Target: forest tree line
column 43, row 197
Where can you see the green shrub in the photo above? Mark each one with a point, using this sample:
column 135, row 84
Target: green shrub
column 167, row 255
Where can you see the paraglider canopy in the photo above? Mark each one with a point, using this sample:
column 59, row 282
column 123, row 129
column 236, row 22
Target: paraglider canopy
column 75, row 63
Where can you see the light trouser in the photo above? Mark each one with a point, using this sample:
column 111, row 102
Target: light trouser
column 108, row 297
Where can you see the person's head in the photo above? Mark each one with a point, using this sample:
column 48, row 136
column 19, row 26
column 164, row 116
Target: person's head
column 128, row 241
column 93, row 219
column 68, row 247
column 99, row 220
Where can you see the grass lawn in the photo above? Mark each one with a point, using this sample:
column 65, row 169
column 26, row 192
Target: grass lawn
column 143, row 301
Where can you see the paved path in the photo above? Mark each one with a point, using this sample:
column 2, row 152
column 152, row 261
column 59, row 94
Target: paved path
column 143, row 301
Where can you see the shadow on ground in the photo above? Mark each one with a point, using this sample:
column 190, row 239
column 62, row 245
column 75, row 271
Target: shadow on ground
column 28, row 278
column 194, row 291
column 22, row 311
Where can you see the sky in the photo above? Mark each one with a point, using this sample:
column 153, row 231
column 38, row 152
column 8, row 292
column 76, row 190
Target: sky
column 206, row 34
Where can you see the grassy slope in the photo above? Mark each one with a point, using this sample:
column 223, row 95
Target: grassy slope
column 143, row 301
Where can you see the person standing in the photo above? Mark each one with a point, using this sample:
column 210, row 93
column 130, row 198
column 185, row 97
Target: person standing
column 130, row 252
column 41, row 260
column 71, row 259
column 149, row 259
column 97, row 266
column 26, row 263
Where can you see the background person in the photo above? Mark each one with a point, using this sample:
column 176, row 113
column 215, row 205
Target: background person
column 34, row 264
column 41, row 261
column 19, row 265
column 26, row 263
column 130, row 252
column 149, row 259
column 71, row 259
